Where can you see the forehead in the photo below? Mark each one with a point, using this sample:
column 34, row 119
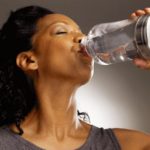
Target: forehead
column 51, row 19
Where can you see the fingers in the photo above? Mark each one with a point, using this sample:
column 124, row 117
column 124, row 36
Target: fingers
column 140, row 12
column 133, row 16
column 147, row 10
column 137, row 13
column 141, row 63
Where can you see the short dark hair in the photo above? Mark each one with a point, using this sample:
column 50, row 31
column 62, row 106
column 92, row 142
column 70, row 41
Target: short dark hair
column 16, row 97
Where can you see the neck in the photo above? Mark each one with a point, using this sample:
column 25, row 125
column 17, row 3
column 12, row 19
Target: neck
column 56, row 109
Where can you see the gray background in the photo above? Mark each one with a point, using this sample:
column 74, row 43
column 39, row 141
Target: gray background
column 118, row 95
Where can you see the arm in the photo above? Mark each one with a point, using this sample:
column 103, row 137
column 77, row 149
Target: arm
column 132, row 140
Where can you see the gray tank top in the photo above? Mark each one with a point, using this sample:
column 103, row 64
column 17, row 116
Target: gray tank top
column 98, row 139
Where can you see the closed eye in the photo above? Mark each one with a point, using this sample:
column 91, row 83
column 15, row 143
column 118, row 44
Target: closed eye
column 61, row 33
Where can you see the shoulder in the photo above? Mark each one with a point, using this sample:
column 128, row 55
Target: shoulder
column 101, row 138
column 132, row 140
column 7, row 140
column 4, row 138
column 3, row 133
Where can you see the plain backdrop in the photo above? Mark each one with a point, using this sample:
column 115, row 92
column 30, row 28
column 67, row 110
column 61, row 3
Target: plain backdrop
column 118, row 95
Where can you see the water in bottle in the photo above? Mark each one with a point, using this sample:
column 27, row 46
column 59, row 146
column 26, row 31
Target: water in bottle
column 120, row 41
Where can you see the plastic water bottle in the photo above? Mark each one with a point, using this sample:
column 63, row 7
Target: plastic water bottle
column 120, row 41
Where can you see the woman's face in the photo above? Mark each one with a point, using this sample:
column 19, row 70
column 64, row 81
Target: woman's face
column 57, row 48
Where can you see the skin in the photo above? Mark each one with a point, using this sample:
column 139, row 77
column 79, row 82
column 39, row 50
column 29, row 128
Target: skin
column 58, row 68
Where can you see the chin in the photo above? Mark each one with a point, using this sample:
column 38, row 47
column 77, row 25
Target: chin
column 86, row 77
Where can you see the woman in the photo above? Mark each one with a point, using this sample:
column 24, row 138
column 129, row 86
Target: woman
column 42, row 66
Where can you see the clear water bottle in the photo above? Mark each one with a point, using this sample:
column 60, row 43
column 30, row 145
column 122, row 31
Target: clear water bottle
column 120, row 41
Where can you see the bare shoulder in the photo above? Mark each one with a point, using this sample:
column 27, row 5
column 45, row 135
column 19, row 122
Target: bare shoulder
column 132, row 140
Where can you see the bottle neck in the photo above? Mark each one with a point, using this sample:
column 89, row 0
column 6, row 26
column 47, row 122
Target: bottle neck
column 84, row 43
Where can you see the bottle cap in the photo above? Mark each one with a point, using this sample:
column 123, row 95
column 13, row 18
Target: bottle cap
column 142, row 35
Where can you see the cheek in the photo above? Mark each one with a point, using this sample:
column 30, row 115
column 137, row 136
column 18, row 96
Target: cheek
column 60, row 51
column 56, row 56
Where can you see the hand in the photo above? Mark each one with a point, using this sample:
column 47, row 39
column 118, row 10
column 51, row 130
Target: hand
column 139, row 62
column 140, row 12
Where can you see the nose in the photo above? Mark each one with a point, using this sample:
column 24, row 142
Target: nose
column 79, row 38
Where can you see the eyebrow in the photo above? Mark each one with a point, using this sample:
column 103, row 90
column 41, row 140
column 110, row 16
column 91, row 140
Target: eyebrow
column 63, row 22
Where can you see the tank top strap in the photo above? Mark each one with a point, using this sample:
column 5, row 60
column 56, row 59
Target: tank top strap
column 101, row 139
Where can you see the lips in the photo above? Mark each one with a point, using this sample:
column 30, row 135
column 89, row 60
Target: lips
column 83, row 52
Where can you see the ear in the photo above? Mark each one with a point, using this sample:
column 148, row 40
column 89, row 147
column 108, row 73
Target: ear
column 27, row 61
